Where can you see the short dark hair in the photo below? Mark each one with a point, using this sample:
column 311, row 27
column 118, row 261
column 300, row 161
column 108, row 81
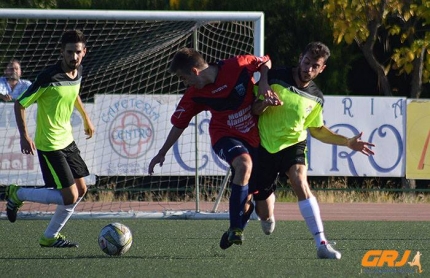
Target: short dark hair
column 186, row 59
column 72, row 36
column 317, row 50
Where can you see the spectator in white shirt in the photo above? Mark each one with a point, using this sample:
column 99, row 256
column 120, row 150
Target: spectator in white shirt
column 11, row 84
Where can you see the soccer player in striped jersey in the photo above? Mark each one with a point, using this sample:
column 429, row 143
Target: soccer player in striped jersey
column 56, row 92
column 283, row 131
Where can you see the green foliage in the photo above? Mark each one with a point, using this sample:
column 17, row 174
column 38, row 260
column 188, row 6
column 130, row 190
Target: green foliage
column 74, row 4
column 34, row 4
column 401, row 27
column 289, row 27
column 114, row 4
column 191, row 5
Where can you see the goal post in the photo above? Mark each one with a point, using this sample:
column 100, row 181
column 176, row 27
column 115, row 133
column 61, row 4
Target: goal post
column 130, row 97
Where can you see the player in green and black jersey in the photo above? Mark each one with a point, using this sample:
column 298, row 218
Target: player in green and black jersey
column 56, row 92
column 283, row 131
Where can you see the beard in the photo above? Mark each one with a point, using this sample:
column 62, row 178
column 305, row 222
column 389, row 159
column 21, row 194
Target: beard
column 13, row 76
column 304, row 77
column 73, row 65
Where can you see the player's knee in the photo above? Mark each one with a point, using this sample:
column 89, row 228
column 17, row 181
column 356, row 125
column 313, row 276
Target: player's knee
column 69, row 200
column 70, row 195
column 242, row 166
column 82, row 191
column 81, row 186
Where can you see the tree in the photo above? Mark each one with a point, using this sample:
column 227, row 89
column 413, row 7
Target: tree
column 34, row 4
column 289, row 26
column 401, row 27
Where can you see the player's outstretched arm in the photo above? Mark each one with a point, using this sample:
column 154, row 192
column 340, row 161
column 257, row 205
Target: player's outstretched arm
column 355, row 143
column 173, row 136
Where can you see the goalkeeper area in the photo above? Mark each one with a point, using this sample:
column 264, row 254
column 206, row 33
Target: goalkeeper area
column 130, row 97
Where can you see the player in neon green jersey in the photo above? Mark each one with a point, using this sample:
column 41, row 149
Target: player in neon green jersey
column 56, row 92
column 283, row 130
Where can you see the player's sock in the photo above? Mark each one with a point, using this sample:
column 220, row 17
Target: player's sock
column 60, row 218
column 41, row 195
column 311, row 213
column 237, row 202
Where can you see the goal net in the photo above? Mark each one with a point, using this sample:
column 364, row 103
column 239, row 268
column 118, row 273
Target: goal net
column 130, row 97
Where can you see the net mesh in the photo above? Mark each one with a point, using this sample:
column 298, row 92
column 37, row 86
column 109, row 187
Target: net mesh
column 123, row 57
column 127, row 62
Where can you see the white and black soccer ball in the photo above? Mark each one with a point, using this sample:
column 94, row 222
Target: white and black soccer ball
column 115, row 239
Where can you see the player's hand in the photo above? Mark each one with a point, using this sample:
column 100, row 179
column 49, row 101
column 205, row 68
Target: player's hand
column 356, row 144
column 27, row 146
column 6, row 97
column 272, row 100
column 158, row 159
column 270, row 97
column 89, row 129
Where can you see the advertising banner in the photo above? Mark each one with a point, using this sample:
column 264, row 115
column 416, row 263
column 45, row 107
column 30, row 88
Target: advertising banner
column 418, row 137
column 132, row 129
column 22, row 169
column 382, row 121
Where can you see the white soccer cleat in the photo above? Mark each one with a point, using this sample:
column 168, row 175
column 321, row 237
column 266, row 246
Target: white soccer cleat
column 268, row 226
column 326, row 251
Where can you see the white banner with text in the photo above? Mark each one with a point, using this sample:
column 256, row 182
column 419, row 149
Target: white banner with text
column 131, row 129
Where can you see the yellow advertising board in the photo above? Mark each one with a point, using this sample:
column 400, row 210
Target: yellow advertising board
column 418, row 139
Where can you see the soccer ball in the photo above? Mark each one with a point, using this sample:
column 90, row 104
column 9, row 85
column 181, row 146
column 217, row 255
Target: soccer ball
column 115, row 239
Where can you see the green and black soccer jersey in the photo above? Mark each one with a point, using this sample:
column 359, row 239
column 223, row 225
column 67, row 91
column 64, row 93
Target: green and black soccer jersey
column 55, row 93
column 286, row 125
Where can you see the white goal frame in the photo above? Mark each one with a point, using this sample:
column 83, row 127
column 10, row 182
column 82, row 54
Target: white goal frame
column 256, row 17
